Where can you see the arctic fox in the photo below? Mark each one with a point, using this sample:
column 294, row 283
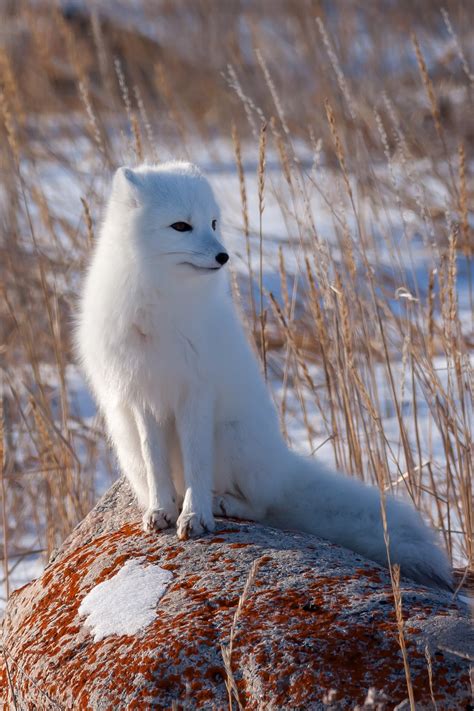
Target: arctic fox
column 186, row 407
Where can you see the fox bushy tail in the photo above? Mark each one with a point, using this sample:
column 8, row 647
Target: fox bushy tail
column 346, row 511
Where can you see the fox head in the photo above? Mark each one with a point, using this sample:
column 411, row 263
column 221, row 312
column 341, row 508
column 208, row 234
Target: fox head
column 171, row 219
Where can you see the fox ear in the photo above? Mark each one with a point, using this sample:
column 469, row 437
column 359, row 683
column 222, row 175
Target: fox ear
column 127, row 186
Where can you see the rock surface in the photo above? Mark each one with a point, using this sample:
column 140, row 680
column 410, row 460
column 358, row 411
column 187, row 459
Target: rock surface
column 316, row 629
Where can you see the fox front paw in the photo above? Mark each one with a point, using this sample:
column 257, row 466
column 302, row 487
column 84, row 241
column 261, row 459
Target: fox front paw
column 158, row 519
column 191, row 525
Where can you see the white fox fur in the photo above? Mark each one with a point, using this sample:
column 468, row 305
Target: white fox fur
column 186, row 407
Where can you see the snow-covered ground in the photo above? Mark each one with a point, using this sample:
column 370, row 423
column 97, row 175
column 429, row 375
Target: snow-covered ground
column 125, row 603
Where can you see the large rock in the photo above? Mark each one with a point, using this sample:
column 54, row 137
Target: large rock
column 316, row 628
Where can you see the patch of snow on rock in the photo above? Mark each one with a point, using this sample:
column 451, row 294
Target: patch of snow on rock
column 126, row 603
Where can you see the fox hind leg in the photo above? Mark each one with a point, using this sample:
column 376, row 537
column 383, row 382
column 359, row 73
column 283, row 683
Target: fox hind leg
column 231, row 506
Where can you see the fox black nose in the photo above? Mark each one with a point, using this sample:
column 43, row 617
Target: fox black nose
column 222, row 258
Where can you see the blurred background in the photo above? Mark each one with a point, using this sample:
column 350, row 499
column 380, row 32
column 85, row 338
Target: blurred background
column 338, row 137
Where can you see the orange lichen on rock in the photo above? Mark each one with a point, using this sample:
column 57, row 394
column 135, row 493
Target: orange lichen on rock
column 3, row 682
column 314, row 620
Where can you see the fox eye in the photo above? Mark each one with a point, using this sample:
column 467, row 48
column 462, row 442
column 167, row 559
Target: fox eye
column 214, row 225
column 181, row 227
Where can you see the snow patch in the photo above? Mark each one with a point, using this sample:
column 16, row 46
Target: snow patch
column 126, row 603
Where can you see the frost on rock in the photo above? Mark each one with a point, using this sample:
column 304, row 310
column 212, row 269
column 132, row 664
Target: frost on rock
column 126, row 603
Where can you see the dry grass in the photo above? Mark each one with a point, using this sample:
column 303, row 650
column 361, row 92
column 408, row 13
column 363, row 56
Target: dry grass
column 226, row 650
column 353, row 333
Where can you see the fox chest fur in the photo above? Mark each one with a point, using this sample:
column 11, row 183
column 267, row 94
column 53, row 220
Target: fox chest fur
column 156, row 356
